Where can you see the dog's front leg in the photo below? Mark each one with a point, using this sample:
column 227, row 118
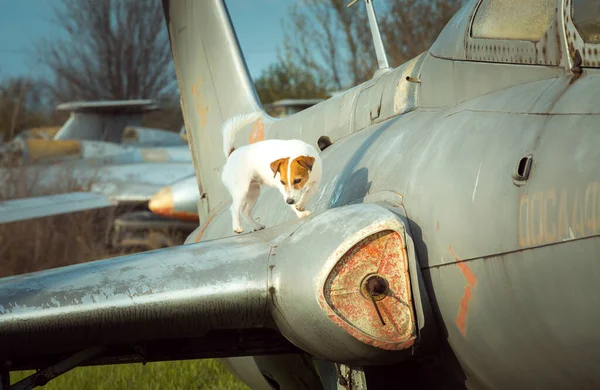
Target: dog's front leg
column 299, row 208
column 235, row 218
column 300, row 214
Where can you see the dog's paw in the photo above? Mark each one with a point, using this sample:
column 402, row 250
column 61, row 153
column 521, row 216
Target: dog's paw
column 259, row 227
column 238, row 230
column 302, row 214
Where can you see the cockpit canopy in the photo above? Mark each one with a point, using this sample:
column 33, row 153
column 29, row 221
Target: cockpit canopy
column 533, row 32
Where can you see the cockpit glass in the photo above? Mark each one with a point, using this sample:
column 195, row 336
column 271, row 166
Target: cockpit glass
column 586, row 17
column 511, row 19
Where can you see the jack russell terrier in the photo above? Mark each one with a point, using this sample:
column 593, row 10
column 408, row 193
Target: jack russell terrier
column 292, row 166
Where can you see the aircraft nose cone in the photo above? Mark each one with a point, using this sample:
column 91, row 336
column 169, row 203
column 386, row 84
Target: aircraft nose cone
column 289, row 201
column 162, row 202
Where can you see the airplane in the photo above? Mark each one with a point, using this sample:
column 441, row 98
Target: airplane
column 101, row 142
column 103, row 149
column 453, row 243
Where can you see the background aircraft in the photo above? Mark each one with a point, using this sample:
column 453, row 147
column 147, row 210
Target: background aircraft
column 454, row 242
column 103, row 149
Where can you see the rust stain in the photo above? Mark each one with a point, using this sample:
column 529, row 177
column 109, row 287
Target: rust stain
column 203, row 228
column 463, row 311
column 347, row 306
column 200, row 107
column 258, row 131
column 179, row 215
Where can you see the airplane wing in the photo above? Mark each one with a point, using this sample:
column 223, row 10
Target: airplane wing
column 21, row 209
column 275, row 291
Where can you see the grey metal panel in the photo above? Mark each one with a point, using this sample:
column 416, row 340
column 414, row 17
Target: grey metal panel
column 530, row 311
column 213, row 81
column 293, row 102
column 450, row 44
column 453, row 160
column 22, row 209
column 585, row 90
column 185, row 195
column 178, row 292
column 446, row 83
column 477, row 213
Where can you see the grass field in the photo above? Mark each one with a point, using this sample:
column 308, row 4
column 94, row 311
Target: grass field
column 206, row 374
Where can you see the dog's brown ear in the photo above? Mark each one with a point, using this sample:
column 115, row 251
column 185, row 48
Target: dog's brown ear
column 306, row 161
column 276, row 164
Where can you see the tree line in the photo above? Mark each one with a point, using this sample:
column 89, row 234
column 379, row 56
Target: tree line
column 115, row 49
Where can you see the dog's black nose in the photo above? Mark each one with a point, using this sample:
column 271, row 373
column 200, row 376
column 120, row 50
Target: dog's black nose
column 289, row 201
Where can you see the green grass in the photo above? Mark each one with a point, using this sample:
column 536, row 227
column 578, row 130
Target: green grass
column 190, row 374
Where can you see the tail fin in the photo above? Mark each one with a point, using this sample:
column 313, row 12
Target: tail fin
column 231, row 128
column 214, row 85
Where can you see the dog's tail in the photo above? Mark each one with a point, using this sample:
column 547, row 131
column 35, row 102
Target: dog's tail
column 231, row 128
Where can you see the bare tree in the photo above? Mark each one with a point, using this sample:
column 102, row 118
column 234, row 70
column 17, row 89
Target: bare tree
column 284, row 80
column 334, row 43
column 109, row 49
column 21, row 106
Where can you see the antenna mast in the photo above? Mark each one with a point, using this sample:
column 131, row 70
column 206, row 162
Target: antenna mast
column 377, row 41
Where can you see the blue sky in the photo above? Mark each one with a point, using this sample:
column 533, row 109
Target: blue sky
column 23, row 22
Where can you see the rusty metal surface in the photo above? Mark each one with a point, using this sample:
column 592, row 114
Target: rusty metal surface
column 297, row 302
column 348, row 303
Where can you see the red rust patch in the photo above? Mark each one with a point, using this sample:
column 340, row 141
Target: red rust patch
column 382, row 254
column 463, row 310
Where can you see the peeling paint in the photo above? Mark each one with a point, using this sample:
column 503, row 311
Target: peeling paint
column 384, row 254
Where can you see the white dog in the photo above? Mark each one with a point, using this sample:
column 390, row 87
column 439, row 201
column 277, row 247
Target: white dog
column 292, row 166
